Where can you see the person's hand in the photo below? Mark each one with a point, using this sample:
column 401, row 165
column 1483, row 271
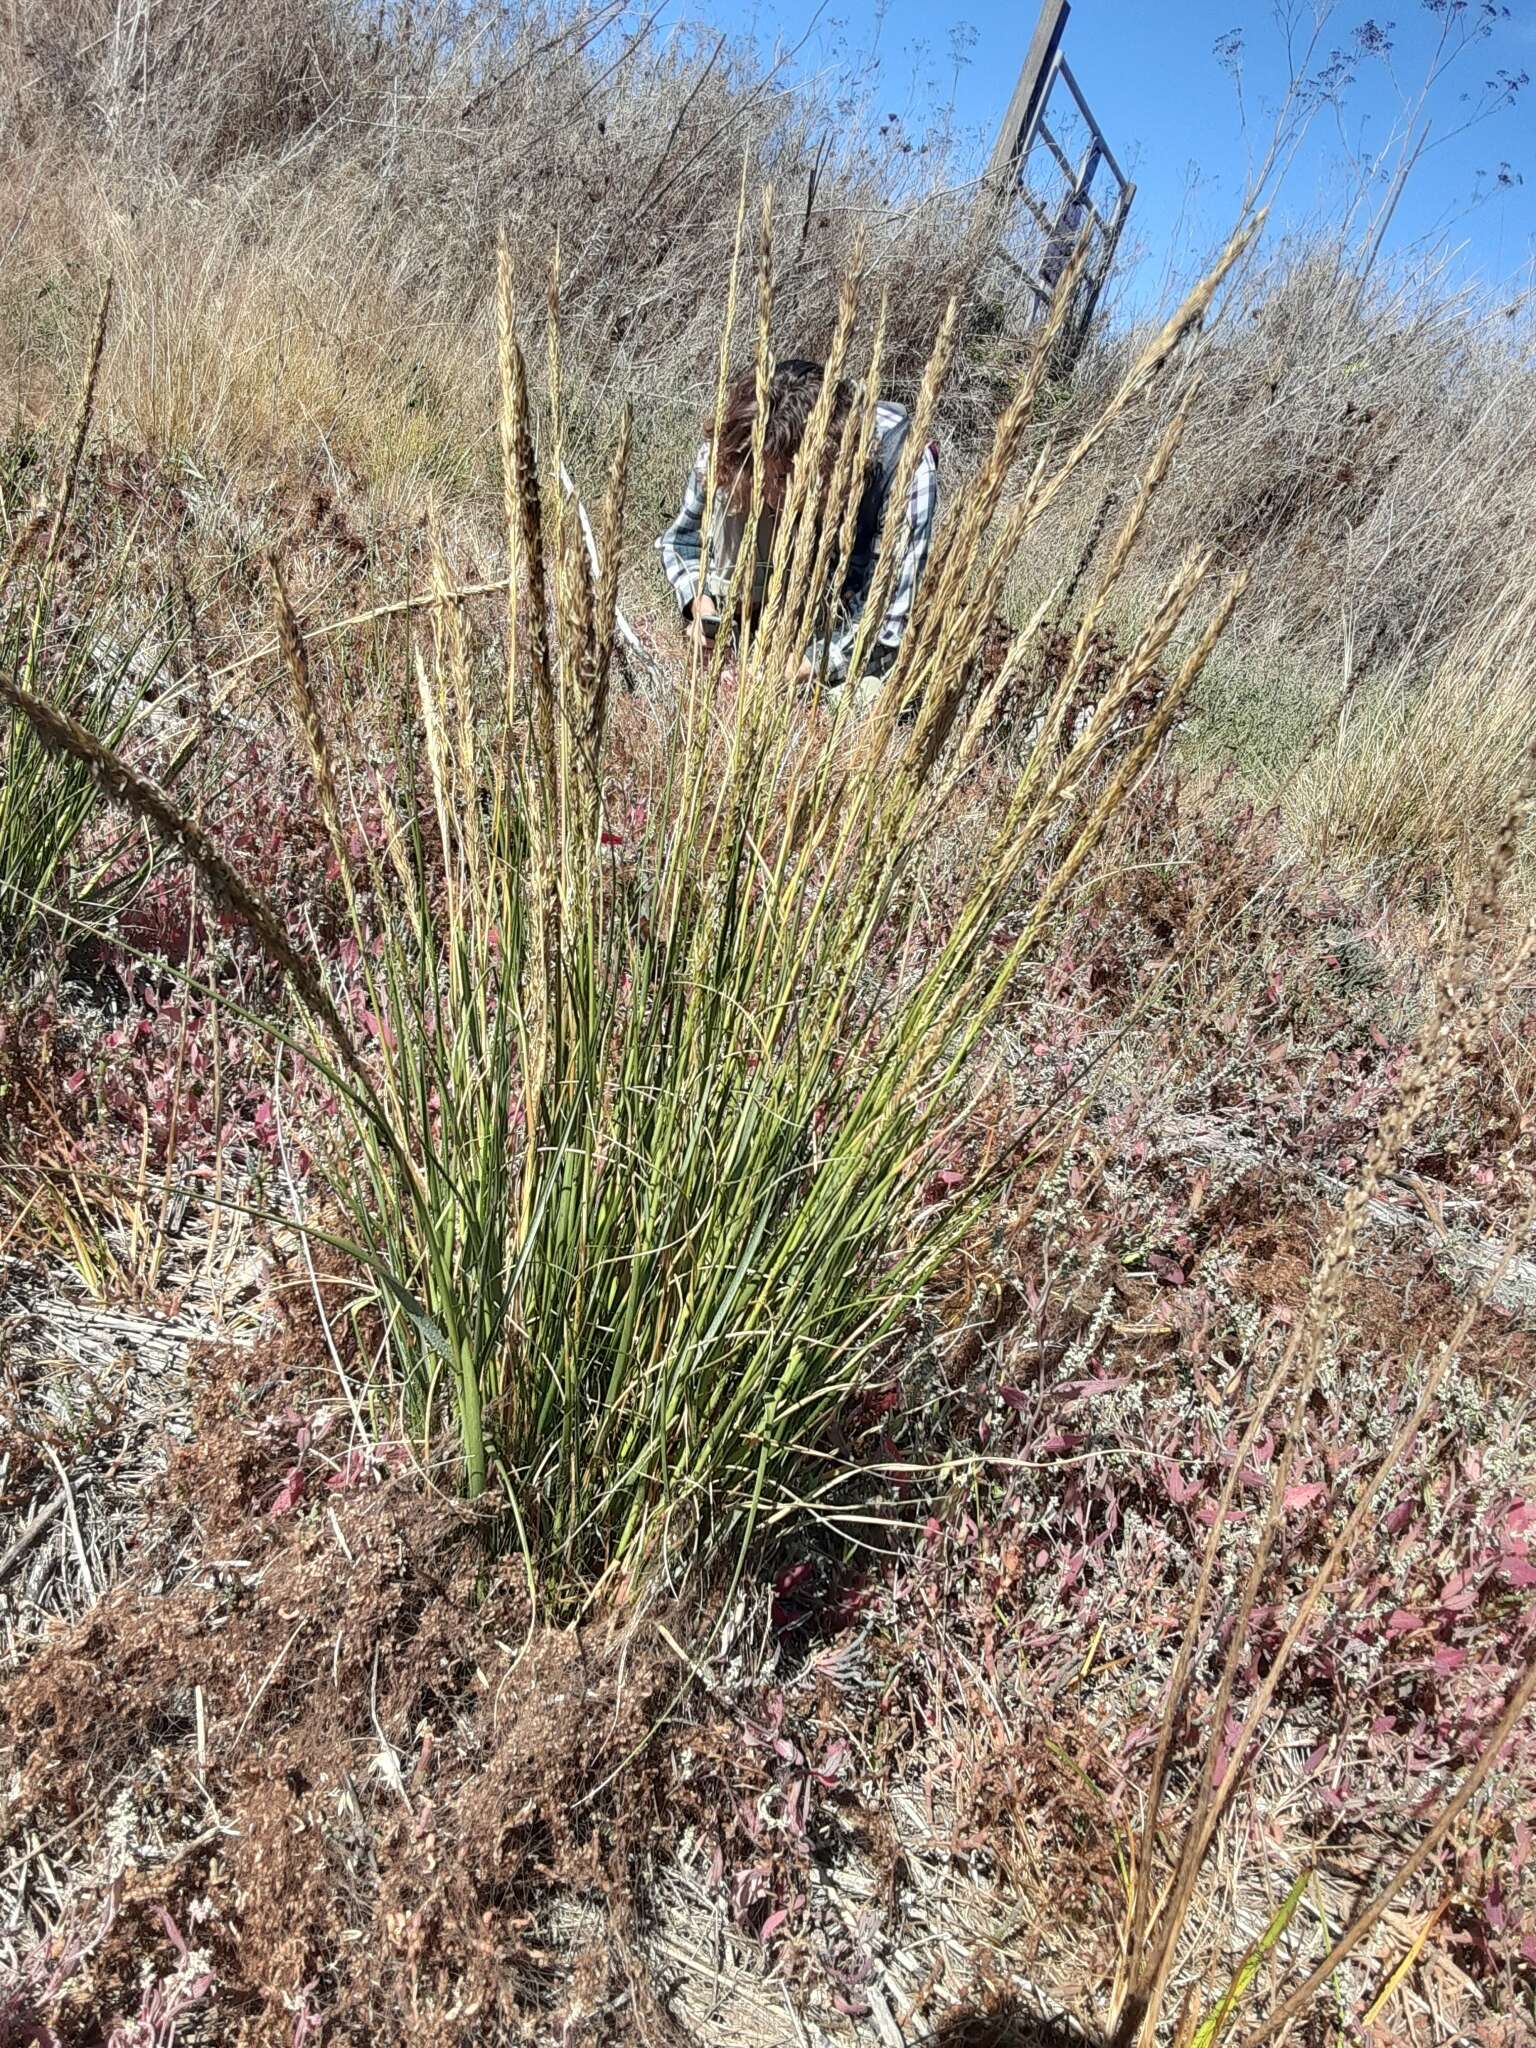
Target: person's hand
column 704, row 624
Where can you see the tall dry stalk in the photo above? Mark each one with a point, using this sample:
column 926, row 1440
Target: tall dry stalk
column 1469, row 995
column 83, row 686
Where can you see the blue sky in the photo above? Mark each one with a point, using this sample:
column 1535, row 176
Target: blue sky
column 1171, row 110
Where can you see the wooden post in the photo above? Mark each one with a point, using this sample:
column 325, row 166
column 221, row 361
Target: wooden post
column 1017, row 131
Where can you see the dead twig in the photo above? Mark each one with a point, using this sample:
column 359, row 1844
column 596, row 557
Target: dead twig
column 74, row 1521
column 30, row 1530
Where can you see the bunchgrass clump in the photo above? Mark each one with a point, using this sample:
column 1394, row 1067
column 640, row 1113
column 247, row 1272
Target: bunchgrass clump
column 628, row 1163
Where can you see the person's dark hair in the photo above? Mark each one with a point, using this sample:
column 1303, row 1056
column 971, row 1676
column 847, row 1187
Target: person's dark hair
column 793, row 391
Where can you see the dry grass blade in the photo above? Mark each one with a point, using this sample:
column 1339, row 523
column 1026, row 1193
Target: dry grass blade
column 290, row 640
column 125, row 785
column 26, row 532
column 81, row 427
column 610, row 549
column 1300, row 2001
column 1471, row 994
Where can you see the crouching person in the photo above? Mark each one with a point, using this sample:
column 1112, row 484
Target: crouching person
column 792, row 393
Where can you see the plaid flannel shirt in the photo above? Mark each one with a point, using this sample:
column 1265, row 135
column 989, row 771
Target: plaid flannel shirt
column 681, row 550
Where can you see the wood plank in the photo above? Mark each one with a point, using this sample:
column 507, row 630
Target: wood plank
column 1013, row 136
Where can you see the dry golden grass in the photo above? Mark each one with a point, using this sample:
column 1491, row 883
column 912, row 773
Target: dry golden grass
column 1418, row 774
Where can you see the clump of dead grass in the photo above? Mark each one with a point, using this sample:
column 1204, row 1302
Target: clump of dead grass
column 212, row 1749
column 1419, row 774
